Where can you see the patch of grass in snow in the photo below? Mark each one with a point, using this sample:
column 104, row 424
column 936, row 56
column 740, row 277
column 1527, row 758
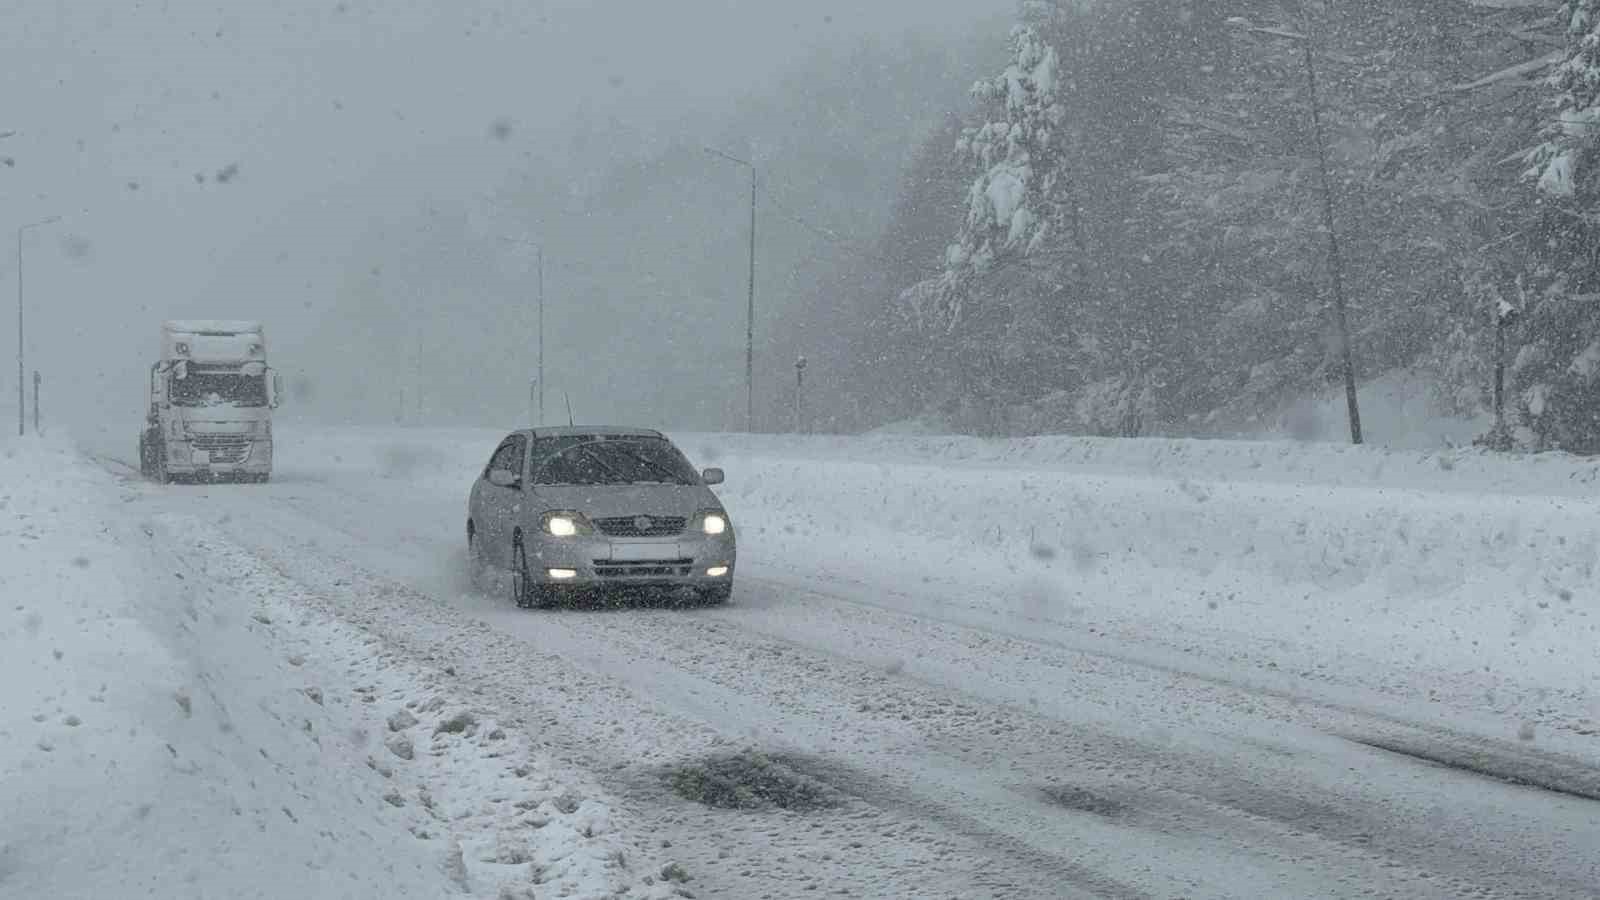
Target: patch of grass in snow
column 460, row 723
column 749, row 780
column 1079, row 800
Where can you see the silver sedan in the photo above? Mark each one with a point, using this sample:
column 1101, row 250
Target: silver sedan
column 572, row 509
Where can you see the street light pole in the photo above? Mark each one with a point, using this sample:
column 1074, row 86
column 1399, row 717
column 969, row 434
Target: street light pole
column 540, row 263
column 539, row 258
column 1335, row 254
column 750, row 310
column 799, row 395
column 22, row 393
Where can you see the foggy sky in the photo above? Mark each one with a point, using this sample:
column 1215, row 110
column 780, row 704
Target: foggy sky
column 260, row 158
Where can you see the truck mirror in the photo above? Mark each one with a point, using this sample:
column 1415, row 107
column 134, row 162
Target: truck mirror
column 277, row 390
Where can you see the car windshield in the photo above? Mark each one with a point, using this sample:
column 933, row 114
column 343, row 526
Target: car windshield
column 600, row 460
column 219, row 389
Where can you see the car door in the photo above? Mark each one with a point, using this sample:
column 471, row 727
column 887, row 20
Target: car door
column 499, row 504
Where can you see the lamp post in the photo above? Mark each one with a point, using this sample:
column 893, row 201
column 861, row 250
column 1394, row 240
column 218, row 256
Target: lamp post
column 539, row 383
column 21, row 369
column 799, row 395
column 1335, row 255
column 750, row 310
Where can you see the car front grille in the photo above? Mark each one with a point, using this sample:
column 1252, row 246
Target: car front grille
column 672, row 568
column 641, row 526
column 224, row 448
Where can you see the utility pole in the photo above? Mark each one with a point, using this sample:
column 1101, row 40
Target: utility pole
column 21, row 369
column 799, row 395
column 1335, row 255
column 750, row 309
column 36, row 401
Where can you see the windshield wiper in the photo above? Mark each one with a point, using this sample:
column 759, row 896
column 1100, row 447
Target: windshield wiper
column 595, row 457
column 672, row 477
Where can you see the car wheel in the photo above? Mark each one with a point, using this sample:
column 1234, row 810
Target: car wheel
column 717, row 595
column 525, row 592
column 475, row 563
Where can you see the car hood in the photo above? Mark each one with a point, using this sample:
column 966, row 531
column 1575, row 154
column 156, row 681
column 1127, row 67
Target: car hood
column 604, row 501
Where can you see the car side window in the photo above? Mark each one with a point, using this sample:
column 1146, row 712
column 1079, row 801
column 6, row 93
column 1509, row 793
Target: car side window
column 507, row 457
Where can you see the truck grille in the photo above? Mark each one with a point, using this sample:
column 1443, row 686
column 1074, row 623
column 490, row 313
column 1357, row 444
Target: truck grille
column 224, row 448
column 672, row 568
column 641, row 526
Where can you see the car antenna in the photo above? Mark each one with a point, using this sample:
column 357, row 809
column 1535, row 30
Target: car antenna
column 569, row 409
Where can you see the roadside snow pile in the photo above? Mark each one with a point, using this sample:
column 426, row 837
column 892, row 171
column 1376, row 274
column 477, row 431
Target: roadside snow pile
column 1463, row 470
column 1446, row 576
column 170, row 729
column 152, row 746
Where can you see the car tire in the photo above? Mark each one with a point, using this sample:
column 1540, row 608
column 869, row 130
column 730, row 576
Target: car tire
column 525, row 592
column 717, row 595
column 476, row 567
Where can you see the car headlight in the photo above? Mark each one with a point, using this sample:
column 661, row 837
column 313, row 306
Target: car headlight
column 566, row 523
column 712, row 522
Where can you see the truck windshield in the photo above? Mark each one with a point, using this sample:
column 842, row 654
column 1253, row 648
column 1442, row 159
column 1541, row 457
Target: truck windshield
column 219, row 389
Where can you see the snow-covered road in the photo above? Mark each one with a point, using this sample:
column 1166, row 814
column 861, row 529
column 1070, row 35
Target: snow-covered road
column 1126, row 669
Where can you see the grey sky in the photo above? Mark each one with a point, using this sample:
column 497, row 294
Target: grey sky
column 222, row 158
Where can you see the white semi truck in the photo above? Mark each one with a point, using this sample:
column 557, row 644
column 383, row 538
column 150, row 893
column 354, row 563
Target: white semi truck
column 211, row 401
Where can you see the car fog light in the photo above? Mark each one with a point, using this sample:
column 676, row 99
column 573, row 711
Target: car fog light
column 717, row 571
column 563, row 574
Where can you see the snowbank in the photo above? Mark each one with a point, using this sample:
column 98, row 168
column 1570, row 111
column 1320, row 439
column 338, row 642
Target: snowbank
column 173, row 723
column 153, row 744
column 1460, row 574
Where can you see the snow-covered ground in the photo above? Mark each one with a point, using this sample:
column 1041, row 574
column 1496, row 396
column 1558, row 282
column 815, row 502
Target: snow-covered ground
column 178, row 721
column 1038, row 668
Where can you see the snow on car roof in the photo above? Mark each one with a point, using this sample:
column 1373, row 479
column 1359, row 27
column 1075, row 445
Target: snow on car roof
column 581, row 430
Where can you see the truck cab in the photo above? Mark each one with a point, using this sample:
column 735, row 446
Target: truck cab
column 211, row 400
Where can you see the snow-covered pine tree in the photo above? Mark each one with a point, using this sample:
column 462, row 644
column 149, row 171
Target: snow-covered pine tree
column 1557, row 369
column 1564, row 164
column 1015, row 201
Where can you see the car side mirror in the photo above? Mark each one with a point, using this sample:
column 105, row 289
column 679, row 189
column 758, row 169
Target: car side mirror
column 503, row 478
column 715, row 476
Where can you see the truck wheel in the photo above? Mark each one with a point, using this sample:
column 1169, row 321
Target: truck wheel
column 162, row 476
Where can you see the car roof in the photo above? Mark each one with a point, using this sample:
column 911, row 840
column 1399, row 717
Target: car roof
column 584, row 431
